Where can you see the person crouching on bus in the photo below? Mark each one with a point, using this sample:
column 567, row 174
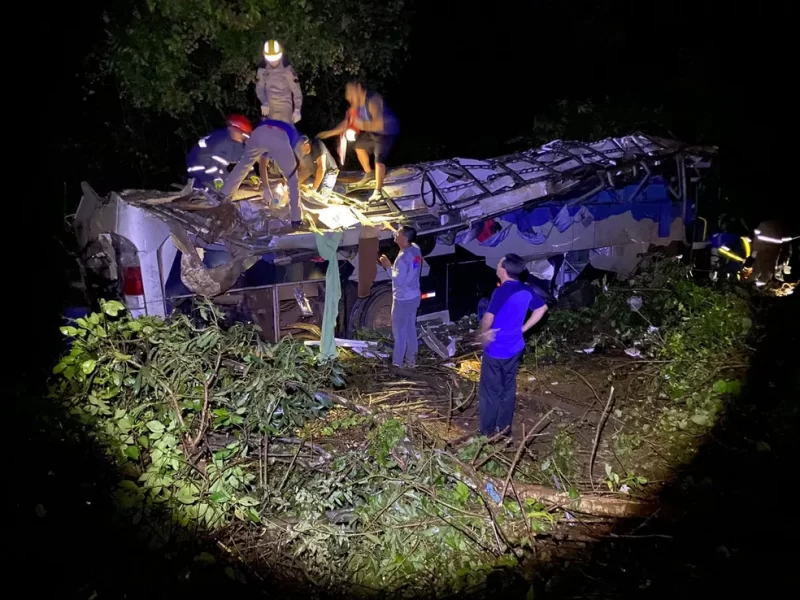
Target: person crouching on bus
column 405, row 295
column 211, row 158
column 325, row 171
column 376, row 126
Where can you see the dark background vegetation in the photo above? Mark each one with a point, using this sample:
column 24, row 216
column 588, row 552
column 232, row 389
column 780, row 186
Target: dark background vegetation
column 477, row 81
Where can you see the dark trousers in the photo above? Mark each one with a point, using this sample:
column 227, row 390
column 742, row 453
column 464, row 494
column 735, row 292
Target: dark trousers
column 497, row 393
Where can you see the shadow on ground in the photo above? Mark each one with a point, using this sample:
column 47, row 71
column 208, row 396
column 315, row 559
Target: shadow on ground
column 733, row 531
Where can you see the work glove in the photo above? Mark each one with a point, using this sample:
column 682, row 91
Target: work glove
column 296, row 116
column 264, row 110
column 218, row 183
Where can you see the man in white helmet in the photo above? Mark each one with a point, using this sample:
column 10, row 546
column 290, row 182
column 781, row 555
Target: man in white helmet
column 277, row 86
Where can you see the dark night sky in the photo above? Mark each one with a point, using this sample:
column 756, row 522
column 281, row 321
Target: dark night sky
column 478, row 77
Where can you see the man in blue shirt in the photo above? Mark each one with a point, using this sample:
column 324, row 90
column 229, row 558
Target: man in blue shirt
column 501, row 333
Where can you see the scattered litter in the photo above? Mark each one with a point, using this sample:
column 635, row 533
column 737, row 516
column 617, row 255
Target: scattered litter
column 366, row 348
column 635, row 302
column 492, row 492
column 303, row 303
column 432, row 342
column 633, row 352
column 548, row 392
column 531, row 378
column 556, row 482
column 451, row 346
column 591, row 347
column 449, row 365
column 569, row 516
column 554, row 383
column 652, row 329
column 624, row 488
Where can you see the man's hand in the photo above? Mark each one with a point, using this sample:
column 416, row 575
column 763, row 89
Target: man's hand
column 296, row 116
column 385, row 262
column 264, row 110
column 487, row 337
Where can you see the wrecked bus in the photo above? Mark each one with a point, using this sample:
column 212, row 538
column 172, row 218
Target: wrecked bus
column 563, row 206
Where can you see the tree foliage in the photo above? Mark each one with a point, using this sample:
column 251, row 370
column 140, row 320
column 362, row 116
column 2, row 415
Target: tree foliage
column 172, row 56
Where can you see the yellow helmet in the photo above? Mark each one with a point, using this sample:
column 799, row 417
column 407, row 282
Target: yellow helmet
column 273, row 51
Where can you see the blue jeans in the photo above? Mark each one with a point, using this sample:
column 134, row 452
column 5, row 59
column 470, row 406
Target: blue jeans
column 497, row 393
column 404, row 331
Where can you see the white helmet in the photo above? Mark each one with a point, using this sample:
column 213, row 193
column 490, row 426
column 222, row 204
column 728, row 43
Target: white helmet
column 273, row 51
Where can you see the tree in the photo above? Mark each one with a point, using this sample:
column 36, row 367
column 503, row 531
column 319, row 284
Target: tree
column 183, row 57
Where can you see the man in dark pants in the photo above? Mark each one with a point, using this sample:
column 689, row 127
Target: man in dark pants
column 501, row 333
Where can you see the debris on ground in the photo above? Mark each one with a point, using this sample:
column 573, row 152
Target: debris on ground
column 362, row 477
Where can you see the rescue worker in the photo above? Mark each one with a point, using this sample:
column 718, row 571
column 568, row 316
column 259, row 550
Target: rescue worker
column 277, row 86
column 376, row 128
column 279, row 141
column 770, row 252
column 406, row 295
column 325, row 170
column 729, row 252
column 210, row 159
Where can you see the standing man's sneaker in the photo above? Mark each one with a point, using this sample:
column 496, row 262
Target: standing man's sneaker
column 376, row 196
column 366, row 178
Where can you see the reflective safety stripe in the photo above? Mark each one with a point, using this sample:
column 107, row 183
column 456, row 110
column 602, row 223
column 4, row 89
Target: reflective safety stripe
column 196, row 168
column 725, row 251
column 220, row 160
column 202, row 143
column 211, row 171
column 770, row 240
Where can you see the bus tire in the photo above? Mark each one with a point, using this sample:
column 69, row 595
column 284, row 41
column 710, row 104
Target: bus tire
column 372, row 312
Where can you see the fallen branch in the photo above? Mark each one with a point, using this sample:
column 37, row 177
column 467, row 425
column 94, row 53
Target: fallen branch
column 289, row 470
column 597, row 434
column 517, row 456
column 598, row 506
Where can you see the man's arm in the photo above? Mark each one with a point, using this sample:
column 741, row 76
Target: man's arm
column 486, row 333
column 294, row 86
column 535, row 317
column 320, row 172
column 338, row 130
column 261, row 88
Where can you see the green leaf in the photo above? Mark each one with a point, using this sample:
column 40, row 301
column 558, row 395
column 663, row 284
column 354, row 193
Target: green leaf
column 132, row 452
column 699, row 419
column 187, row 495
column 253, row 515
column 69, row 331
column 205, row 558
column 248, row 501
column 155, row 426
column 113, row 308
column 220, row 497
column 88, row 366
column 720, row 386
column 59, row 367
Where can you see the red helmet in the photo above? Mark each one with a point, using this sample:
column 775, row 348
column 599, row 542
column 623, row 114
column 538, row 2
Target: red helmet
column 241, row 123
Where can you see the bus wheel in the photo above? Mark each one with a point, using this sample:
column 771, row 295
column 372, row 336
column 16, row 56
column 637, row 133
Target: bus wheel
column 372, row 312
